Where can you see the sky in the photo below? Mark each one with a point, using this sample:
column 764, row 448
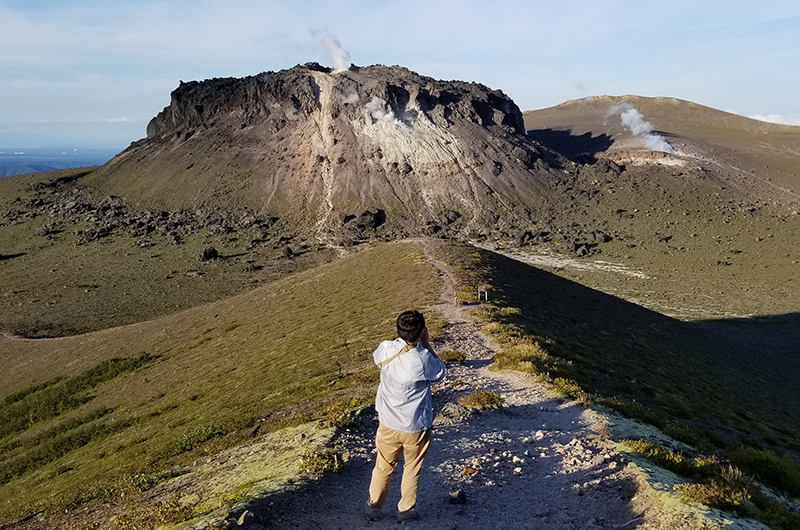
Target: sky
column 92, row 73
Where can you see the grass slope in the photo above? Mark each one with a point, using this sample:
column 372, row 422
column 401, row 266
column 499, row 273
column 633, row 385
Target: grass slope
column 55, row 284
column 694, row 383
column 270, row 357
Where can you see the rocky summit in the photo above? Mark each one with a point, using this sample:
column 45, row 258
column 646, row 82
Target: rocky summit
column 375, row 147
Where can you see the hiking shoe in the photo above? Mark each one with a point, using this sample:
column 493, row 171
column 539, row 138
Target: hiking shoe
column 371, row 513
column 410, row 515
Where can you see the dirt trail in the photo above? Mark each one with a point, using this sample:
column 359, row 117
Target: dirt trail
column 539, row 462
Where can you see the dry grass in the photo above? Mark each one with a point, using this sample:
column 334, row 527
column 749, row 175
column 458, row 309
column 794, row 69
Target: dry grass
column 482, row 400
column 54, row 287
column 280, row 354
column 719, row 485
column 452, row 356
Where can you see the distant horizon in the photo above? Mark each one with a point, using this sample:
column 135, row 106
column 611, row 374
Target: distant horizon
column 126, row 131
column 26, row 149
column 64, row 65
column 22, row 160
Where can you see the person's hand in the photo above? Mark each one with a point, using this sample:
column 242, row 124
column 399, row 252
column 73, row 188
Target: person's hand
column 425, row 340
column 423, row 337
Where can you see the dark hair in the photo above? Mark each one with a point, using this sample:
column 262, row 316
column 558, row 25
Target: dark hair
column 410, row 325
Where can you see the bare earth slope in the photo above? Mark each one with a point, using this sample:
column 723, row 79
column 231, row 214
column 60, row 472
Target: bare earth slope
column 760, row 158
column 712, row 225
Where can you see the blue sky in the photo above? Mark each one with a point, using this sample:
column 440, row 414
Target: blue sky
column 93, row 72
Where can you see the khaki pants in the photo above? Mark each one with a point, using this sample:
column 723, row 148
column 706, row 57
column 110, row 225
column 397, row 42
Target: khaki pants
column 390, row 443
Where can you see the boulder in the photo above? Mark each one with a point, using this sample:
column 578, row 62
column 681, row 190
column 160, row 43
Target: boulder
column 209, row 254
column 371, row 219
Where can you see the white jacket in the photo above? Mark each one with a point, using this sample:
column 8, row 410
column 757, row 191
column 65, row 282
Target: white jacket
column 403, row 401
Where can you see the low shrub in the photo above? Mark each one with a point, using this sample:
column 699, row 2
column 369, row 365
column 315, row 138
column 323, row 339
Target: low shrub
column 322, row 460
column 722, row 495
column 568, row 388
column 778, row 471
column 189, row 440
column 673, row 461
column 482, row 399
column 452, row 356
column 341, row 415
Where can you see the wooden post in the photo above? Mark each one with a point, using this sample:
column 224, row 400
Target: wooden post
column 483, row 290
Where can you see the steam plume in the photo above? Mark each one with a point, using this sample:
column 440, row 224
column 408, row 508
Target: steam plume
column 349, row 97
column 380, row 111
column 635, row 122
column 338, row 56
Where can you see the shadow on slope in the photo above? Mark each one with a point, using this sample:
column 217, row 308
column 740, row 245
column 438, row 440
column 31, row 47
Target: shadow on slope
column 572, row 145
column 497, row 497
column 765, row 350
column 674, row 374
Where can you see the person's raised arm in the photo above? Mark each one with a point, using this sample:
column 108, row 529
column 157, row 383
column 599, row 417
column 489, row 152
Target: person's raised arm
column 425, row 340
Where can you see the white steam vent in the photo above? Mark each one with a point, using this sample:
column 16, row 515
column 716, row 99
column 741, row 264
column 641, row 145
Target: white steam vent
column 338, row 56
column 349, row 97
column 380, row 111
column 634, row 121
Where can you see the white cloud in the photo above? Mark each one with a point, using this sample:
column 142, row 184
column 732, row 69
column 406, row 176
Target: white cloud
column 778, row 118
column 692, row 51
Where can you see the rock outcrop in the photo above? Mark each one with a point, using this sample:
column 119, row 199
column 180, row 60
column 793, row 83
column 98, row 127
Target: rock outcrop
column 320, row 148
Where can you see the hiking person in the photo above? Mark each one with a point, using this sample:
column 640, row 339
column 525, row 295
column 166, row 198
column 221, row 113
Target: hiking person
column 408, row 365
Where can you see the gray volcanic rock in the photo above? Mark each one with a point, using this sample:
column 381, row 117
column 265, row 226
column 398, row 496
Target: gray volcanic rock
column 312, row 146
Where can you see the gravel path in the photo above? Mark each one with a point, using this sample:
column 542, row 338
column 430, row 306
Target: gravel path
column 540, row 462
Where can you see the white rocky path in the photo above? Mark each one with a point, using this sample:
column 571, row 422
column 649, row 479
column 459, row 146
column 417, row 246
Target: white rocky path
column 539, row 463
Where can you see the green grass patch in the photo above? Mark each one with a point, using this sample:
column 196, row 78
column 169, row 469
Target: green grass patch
column 720, row 484
column 189, row 440
column 48, row 400
column 269, row 358
column 50, row 449
column 18, row 444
